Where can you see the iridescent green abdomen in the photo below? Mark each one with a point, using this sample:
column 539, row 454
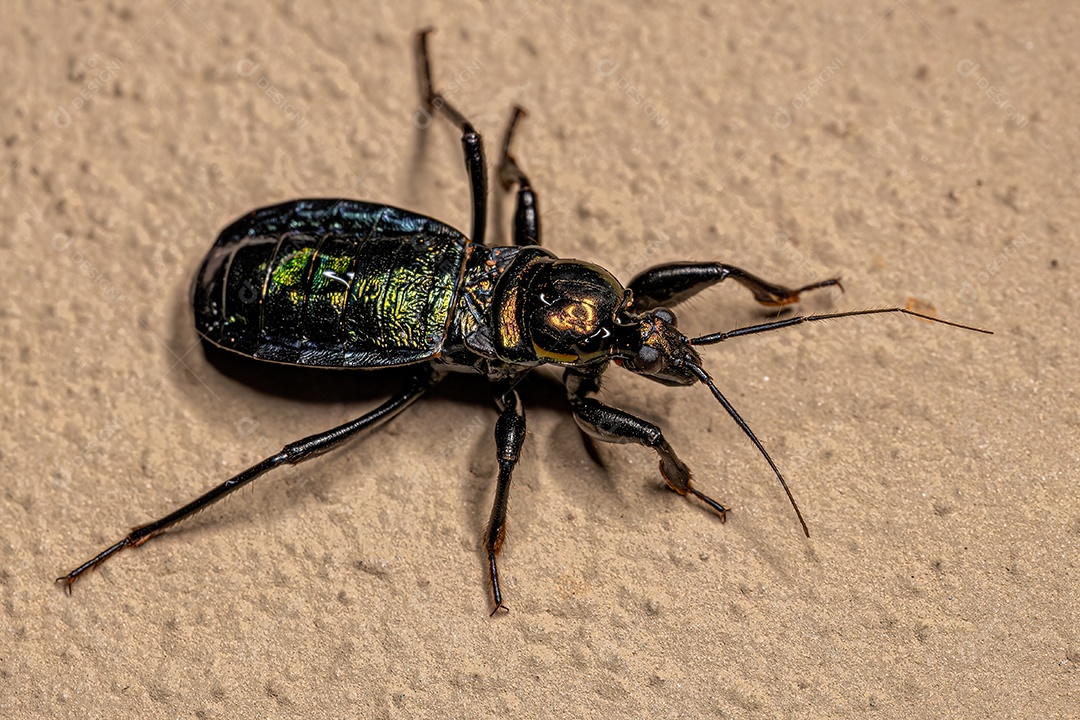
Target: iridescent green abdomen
column 331, row 283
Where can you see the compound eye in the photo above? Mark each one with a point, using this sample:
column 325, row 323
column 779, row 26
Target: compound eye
column 648, row 360
column 666, row 315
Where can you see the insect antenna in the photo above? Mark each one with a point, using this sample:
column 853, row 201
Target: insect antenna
column 717, row 337
column 705, row 378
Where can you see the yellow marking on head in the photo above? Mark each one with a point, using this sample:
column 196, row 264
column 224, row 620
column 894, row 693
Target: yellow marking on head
column 578, row 317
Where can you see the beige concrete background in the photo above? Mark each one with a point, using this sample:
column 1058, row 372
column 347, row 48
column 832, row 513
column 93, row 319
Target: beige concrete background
column 924, row 152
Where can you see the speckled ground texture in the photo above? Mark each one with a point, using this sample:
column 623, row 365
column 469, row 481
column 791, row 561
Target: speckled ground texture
column 925, row 153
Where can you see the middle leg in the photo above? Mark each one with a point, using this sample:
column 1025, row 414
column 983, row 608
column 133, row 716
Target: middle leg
column 509, row 437
column 471, row 142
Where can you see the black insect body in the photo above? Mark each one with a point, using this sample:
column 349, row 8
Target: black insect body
column 346, row 284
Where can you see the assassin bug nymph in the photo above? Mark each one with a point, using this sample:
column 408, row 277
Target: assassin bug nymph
column 347, row 284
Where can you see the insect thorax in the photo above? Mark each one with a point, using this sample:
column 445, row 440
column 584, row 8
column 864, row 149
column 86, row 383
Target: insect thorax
column 521, row 306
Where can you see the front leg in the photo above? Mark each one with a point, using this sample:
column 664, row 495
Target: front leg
column 526, row 208
column 609, row 424
column 509, row 437
column 668, row 285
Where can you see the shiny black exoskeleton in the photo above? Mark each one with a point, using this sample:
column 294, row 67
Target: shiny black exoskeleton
column 346, row 284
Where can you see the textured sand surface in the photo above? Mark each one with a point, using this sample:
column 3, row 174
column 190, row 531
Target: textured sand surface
column 926, row 153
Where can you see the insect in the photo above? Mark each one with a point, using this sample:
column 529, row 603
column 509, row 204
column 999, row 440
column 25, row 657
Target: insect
column 336, row 283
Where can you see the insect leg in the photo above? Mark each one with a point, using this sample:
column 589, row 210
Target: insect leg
column 509, row 437
column 526, row 210
column 291, row 454
column 667, row 285
column 609, row 424
column 471, row 142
